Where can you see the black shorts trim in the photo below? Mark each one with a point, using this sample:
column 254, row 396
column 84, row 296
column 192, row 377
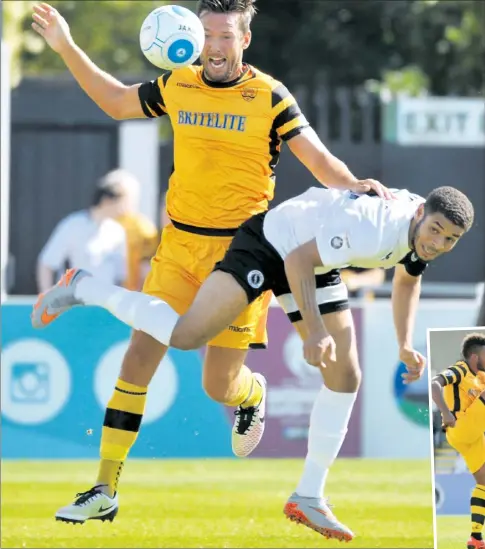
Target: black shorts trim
column 324, row 308
column 255, row 346
column 203, row 231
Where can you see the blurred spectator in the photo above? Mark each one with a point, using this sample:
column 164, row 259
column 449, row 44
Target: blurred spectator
column 90, row 239
column 361, row 281
column 141, row 234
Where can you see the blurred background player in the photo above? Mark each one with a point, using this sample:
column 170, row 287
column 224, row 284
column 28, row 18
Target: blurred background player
column 459, row 394
column 141, row 234
column 210, row 194
column 89, row 237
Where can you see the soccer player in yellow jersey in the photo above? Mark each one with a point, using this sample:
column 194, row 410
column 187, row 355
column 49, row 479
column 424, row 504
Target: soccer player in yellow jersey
column 229, row 121
column 459, row 393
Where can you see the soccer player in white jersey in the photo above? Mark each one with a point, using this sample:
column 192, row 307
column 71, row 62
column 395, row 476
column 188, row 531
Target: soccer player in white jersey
column 295, row 250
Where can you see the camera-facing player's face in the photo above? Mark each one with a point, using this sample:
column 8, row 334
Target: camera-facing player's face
column 224, row 45
column 435, row 235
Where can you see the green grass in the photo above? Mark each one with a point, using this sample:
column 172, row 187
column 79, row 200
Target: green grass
column 217, row 503
column 452, row 532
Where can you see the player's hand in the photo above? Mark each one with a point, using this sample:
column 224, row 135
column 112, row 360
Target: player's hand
column 318, row 348
column 366, row 185
column 50, row 24
column 448, row 418
column 415, row 364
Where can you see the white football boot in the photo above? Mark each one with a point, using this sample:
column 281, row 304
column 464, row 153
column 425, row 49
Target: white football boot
column 315, row 513
column 248, row 428
column 90, row 505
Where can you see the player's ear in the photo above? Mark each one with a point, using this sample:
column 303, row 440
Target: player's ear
column 420, row 213
column 247, row 40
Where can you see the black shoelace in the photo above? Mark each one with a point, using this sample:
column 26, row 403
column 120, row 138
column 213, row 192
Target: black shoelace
column 83, row 497
column 246, row 418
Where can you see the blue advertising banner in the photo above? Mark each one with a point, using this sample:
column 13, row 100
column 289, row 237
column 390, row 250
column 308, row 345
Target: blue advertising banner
column 56, row 384
column 452, row 493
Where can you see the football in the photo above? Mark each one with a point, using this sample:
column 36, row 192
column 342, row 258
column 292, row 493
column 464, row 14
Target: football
column 172, row 37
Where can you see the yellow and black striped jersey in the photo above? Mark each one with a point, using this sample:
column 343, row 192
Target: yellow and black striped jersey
column 227, row 140
column 461, row 386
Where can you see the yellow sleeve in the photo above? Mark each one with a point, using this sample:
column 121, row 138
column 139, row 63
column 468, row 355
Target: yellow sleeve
column 151, row 96
column 288, row 120
column 453, row 375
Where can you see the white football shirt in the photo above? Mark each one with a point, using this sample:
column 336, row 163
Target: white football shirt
column 98, row 247
column 350, row 229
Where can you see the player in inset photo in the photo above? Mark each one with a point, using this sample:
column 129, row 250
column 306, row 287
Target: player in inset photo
column 458, row 392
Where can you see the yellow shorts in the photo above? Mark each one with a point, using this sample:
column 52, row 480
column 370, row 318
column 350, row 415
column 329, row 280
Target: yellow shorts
column 182, row 262
column 467, row 437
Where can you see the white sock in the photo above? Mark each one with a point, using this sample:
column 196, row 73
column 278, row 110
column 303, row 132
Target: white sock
column 328, row 426
column 140, row 311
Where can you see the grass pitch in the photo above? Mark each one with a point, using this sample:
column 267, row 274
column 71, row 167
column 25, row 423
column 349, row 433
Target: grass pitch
column 453, row 532
column 218, row 503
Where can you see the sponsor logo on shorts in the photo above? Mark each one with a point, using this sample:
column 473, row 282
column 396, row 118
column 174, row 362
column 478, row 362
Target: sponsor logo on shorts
column 239, row 329
column 414, row 257
column 255, row 279
column 474, row 393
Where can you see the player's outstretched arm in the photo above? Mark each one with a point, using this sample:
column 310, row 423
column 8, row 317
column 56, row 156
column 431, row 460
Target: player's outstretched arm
column 405, row 299
column 113, row 97
column 438, row 398
column 327, row 168
column 300, row 271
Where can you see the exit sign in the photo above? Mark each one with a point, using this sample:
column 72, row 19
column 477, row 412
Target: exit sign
column 435, row 121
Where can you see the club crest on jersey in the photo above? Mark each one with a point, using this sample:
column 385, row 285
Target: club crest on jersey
column 255, row 279
column 248, row 94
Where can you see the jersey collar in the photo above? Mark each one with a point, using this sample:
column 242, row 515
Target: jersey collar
column 468, row 367
column 225, row 84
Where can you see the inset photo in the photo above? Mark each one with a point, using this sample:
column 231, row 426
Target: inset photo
column 457, row 365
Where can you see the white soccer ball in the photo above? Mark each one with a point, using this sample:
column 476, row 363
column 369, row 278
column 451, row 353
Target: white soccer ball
column 172, row 37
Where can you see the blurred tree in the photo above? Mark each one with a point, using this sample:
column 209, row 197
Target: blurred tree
column 13, row 15
column 405, row 45
column 106, row 30
column 412, row 45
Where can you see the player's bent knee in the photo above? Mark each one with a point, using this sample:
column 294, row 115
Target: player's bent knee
column 186, row 341
column 216, row 391
column 343, row 376
column 480, row 475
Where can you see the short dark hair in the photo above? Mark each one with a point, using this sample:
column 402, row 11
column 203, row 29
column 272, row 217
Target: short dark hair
column 245, row 7
column 453, row 204
column 471, row 344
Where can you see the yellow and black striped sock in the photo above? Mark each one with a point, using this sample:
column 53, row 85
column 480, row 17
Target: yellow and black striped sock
column 120, row 429
column 478, row 510
column 249, row 392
